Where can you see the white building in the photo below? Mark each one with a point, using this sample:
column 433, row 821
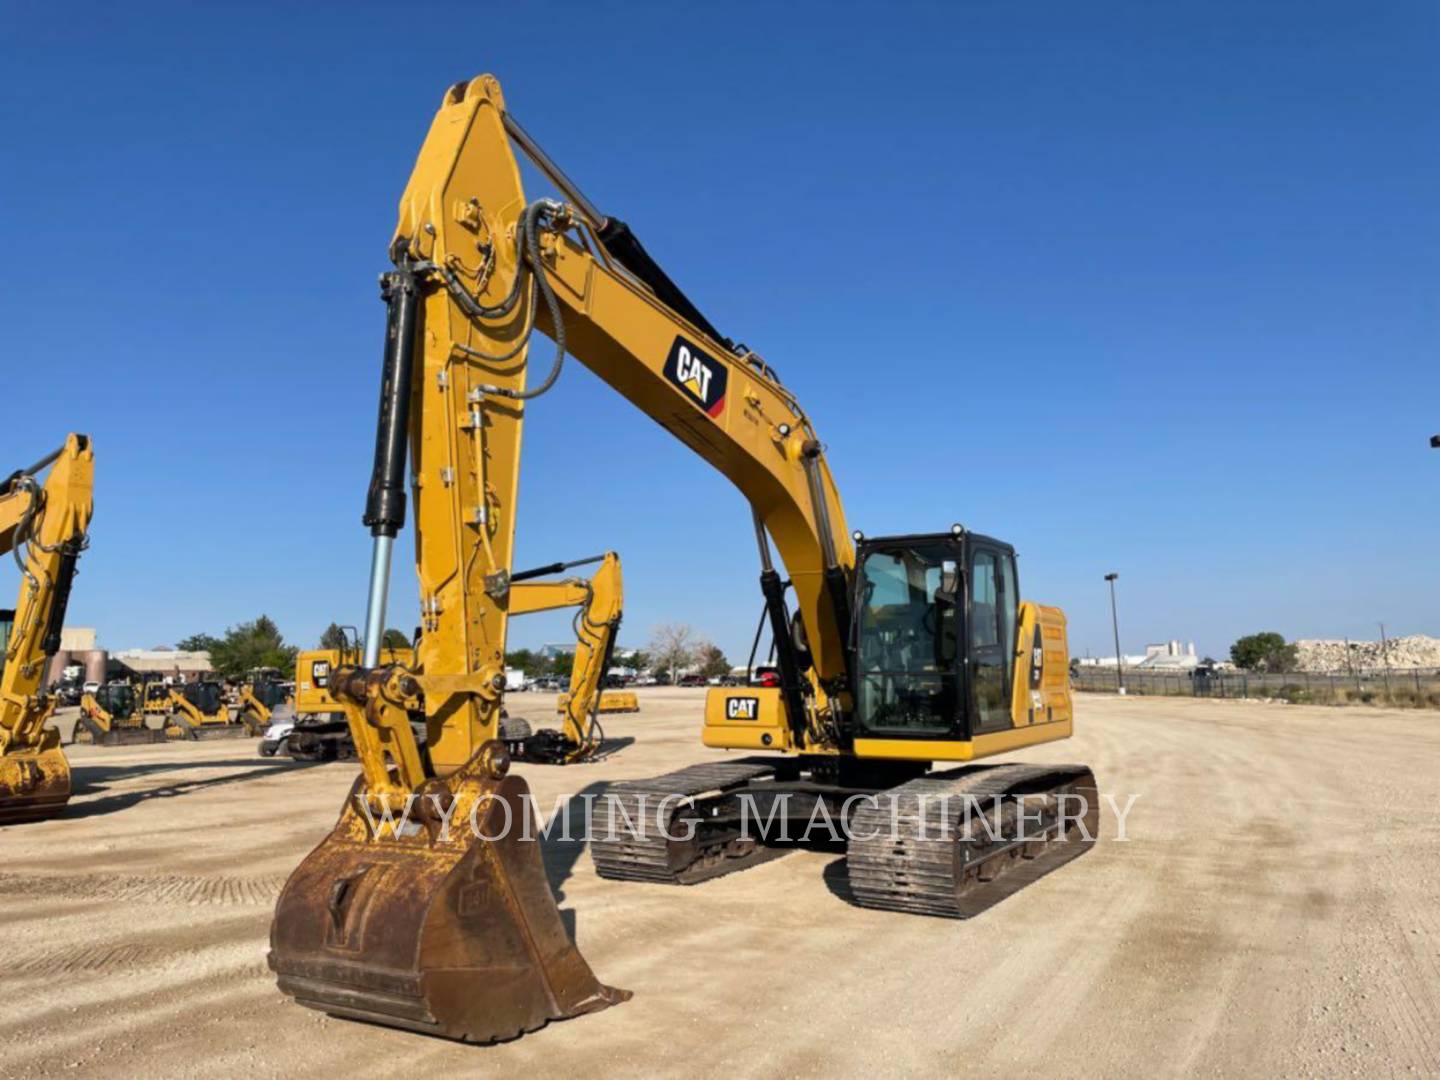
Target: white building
column 1169, row 656
column 165, row 662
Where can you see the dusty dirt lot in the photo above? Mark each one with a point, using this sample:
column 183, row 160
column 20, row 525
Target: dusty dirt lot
column 1276, row 910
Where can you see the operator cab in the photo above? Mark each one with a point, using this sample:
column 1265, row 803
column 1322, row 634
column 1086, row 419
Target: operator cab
column 936, row 618
column 205, row 696
column 117, row 699
column 270, row 694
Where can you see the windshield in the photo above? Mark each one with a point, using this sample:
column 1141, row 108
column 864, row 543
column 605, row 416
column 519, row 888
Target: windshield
column 7, row 620
column 204, row 696
column 121, row 701
column 909, row 670
column 269, row 694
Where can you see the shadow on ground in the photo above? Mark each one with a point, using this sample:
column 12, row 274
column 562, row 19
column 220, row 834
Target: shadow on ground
column 565, row 842
column 90, row 778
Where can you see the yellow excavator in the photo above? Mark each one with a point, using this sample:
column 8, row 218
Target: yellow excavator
column 44, row 527
column 905, row 657
column 112, row 716
column 600, row 602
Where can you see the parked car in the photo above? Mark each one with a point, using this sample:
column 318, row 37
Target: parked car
column 91, row 687
column 691, row 680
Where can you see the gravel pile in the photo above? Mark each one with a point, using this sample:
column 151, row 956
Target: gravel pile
column 1414, row 651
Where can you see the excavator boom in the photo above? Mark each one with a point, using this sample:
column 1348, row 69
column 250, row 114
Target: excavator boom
column 600, row 604
column 44, row 527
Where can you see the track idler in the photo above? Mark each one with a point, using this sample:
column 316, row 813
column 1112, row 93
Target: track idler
column 433, row 928
column 34, row 783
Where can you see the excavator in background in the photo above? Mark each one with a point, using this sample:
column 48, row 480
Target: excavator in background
column 319, row 730
column 903, row 653
column 600, row 602
column 44, row 526
column 112, row 716
column 198, row 711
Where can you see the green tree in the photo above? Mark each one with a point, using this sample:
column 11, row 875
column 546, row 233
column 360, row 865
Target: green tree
column 198, row 643
column 561, row 663
column 1263, row 652
column 334, row 637
column 639, row 660
column 251, row 645
column 394, row 639
column 712, row 661
column 525, row 659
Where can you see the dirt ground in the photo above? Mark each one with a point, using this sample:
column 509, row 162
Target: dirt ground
column 1274, row 911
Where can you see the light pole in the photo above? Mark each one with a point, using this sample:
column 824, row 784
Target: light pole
column 1115, row 622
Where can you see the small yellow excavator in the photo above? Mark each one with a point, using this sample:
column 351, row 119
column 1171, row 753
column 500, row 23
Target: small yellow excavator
column 198, row 711
column 44, row 527
column 906, row 657
column 600, row 603
column 111, row 716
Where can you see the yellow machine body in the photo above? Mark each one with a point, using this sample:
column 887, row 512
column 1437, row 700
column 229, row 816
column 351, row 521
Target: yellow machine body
column 1041, row 707
column 198, row 711
column 611, row 701
column 112, row 716
column 155, row 699
column 47, row 524
column 313, row 668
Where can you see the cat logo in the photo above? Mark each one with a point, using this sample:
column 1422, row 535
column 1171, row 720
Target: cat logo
column 701, row 376
column 742, row 708
column 320, row 672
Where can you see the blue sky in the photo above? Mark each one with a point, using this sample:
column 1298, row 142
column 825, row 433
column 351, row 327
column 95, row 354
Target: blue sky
column 1143, row 287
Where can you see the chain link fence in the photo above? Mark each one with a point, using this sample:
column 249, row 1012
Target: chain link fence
column 1412, row 687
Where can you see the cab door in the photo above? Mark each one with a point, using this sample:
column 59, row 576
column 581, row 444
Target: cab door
column 988, row 651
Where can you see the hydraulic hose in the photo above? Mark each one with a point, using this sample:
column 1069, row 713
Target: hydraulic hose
column 528, row 264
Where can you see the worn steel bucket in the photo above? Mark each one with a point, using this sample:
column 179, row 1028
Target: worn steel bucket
column 451, row 935
column 34, row 783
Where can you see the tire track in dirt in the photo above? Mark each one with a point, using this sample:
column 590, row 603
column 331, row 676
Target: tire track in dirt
column 93, row 959
column 156, row 889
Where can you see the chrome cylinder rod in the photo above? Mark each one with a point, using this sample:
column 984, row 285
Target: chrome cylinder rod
column 379, row 594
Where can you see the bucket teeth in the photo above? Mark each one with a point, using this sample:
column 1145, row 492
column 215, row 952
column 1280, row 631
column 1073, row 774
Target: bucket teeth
column 454, row 935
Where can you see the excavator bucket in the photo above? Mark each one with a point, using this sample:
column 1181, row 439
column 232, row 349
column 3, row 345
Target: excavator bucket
column 434, row 929
column 89, row 732
column 35, row 783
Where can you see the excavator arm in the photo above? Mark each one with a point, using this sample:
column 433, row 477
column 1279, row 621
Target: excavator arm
column 478, row 268
column 44, row 527
column 600, row 602
column 397, row 917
